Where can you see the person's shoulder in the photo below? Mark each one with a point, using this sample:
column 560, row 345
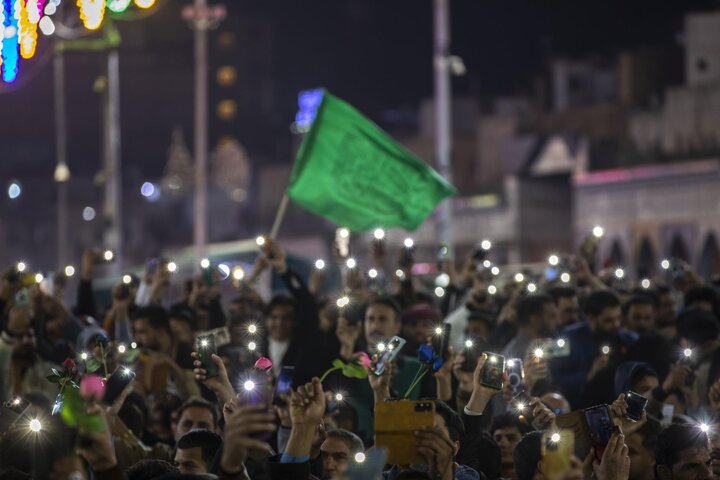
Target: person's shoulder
column 628, row 336
column 580, row 328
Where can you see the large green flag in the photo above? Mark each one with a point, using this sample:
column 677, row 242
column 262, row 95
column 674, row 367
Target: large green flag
column 351, row 172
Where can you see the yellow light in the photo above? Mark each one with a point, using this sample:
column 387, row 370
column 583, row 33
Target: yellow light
column 238, row 273
column 39, row 277
column 126, row 279
column 27, row 29
column 69, row 271
column 16, row 401
column 92, row 13
column 260, row 241
column 21, row 267
column 121, row 348
column 252, row 328
column 35, row 425
column 493, row 359
column 172, row 267
column 144, row 3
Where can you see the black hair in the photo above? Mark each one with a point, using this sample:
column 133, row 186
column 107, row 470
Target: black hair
column 527, row 455
column 184, row 313
column 701, row 294
column 149, row 469
column 280, row 300
column 674, row 439
column 198, row 403
column 562, row 292
column 638, row 299
column 209, row 442
column 697, row 326
column 482, row 316
column 531, row 305
column 482, row 453
column 509, row 419
column 351, row 440
column 454, row 423
column 650, row 432
column 599, row 300
column 156, row 316
column 387, row 302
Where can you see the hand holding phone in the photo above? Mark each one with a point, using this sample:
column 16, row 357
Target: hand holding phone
column 392, row 349
column 118, row 381
column 557, row 450
column 636, row 405
column 205, row 347
column 283, row 385
column 492, row 371
column 601, row 427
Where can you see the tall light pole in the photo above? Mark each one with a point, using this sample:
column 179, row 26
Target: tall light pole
column 202, row 18
column 62, row 172
column 113, row 161
column 443, row 128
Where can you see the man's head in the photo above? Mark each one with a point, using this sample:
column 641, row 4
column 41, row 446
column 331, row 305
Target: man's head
column 150, row 469
column 699, row 328
column 640, row 314
column 196, row 451
column 382, row 320
column 338, row 450
column 527, row 455
column 150, row 326
column 507, row 430
column 567, row 304
column 641, row 448
column 479, row 324
column 195, row 413
column 604, row 314
column 639, row 377
column 702, row 298
column 183, row 323
column 539, row 314
column 682, row 453
column 20, row 329
column 418, row 322
column 665, row 312
column 556, row 402
column 280, row 318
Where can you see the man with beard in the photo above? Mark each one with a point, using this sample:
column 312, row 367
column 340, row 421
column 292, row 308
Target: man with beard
column 651, row 347
column 537, row 317
column 22, row 370
column 592, row 344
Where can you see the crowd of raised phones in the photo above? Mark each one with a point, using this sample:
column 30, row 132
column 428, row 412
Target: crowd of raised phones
column 566, row 378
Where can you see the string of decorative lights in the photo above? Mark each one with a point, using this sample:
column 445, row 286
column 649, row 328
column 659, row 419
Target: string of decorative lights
column 10, row 51
column 92, row 13
column 27, row 31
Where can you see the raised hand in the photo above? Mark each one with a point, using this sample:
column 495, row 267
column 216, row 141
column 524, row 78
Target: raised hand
column 437, row 450
column 307, row 404
column 220, row 384
column 615, row 463
column 242, row 424
column 618, row 409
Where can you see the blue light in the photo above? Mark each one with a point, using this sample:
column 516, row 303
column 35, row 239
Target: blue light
column 10, row 47
column 309, row 101
column 14, row 190
column 150, row 191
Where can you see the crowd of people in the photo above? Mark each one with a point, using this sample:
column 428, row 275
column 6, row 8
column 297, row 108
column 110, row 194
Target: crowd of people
column 288, row 387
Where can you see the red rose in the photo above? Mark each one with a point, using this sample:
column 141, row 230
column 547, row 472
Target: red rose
column 70, row 366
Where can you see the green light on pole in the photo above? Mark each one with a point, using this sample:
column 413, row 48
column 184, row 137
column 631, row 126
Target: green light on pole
column 118, row 6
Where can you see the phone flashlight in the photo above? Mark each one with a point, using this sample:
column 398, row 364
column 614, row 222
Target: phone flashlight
column 121, row 348
column 538, row 353
column 238, row 273
column 469, row 343
column 319, row 264
column 260, row 241
column 555, row 437
column 688, row 352
column 252, row 329
column 379, row 234
column 350, row 263
column 35, row 425
column 252, row 346
column 108, row 255
column 172, row 267
column 409, row 243
column 249, row 385
column 605, row 349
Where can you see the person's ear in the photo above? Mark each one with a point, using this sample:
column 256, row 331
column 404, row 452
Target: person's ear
column 456, row 448
column 540, row 466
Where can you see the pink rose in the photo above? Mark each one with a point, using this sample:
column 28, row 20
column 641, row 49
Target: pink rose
column 264, row 364
column 92, row 387
column 363, row 359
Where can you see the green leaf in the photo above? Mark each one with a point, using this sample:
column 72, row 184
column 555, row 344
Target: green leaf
column 92, row 365
column 353, row 370
column 132, row 355
column 74, row 413
column 337, row 363
column 53, row 378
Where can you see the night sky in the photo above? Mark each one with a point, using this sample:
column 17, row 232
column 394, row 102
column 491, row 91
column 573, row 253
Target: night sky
column 374, row 53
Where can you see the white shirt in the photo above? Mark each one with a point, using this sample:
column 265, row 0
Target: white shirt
column 277, row 351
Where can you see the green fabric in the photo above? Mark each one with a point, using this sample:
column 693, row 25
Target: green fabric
column 351, row 172
column 360, row 395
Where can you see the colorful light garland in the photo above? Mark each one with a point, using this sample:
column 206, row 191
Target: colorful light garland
column 144, row 3
column 27, row 31
column 10, row 53
column 92, row 13
column 118, row 6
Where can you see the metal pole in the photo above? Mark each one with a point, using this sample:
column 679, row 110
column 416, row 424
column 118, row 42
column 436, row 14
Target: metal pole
column 113, row 186
column 443, row 130
column 201, row 129
column 61, row 155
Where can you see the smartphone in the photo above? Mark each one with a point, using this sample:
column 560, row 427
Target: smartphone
column 516, row 374
column 689, row 361
column 392, row 349
column 557, row 448
column 283, row 385
column 521, row 405
column 118, row 381
column 342, row 242
column 551, row 274
column 600, row 426
column 205, row 347
column 492, row 372
column 555, row 348
column 395, row 425
column 208, row 276
column 636, row 405
column 471, row 354
column 441, row 343
column 220, row 335
column 442, row 254
column 256, row 389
